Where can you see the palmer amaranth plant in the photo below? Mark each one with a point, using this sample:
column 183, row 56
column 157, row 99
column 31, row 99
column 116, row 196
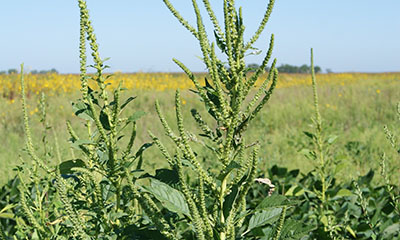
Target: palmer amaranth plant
column 216, row 197
column 102, row 191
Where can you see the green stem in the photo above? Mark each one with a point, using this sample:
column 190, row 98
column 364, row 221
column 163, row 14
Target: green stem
column 222, row 234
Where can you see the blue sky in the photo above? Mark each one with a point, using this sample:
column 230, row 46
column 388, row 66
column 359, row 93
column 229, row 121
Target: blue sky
column 141, row 35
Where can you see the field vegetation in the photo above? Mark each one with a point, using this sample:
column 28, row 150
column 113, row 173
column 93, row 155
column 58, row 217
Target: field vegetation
column 358, row 124
column 233, row 153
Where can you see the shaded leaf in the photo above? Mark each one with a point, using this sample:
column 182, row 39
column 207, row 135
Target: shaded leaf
column 65, row 167
column 230, row 199
column 127, row 102
column 105, row 120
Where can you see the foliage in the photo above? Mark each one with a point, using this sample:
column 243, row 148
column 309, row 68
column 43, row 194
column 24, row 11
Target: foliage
column 287, row 68
column 53, row 70
column 12, row 71
column 212, row 187
column 100, row 194
column 216, row 196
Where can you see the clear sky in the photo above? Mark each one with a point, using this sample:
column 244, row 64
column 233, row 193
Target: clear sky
column 142, row 35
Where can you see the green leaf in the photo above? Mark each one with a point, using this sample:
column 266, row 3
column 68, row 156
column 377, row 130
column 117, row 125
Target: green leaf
column 264, row 217
column 344, row 193
column 274, row 201
column 169, row 197
column 230, row 199
column 279, row 171
column 117, row 215
column 232, row 165
column 310, row 135
column 105, row 120
column 78, row 143
column 142, row 149
column 339, row 167
column 351, row 231
column 220, row 43
column 295, row 191
column 324, row 220
column 137, row 173
column 8, row 207
column 7, row 215
column 140, row 233
column 391, row 230
column 332, row 139
column 367, row 178
column 65, row 167
column 295, row 230
column 309, row 154
column 82, row 110
column 167, row 176
column 134, row 117
column 127, row 102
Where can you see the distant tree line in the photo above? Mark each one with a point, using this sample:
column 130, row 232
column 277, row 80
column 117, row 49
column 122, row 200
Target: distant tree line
column 15, row 71
column 287, row 68
column 9, row 71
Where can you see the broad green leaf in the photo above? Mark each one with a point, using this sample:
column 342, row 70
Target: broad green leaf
column 167, row 176
column 275, row 200
column 292, row 229
column 81, row 110
column 65, row 167
column 229, row 200
column 169, row 197
column 392, row 229
column 268, row 233
column 367, row 178
column 264, row 217
column 105, row 120
column 295, row 191
column 339, row 167
column 279, row 171
column 344, row 193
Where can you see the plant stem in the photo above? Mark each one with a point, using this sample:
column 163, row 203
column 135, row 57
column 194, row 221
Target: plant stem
column 222, row 234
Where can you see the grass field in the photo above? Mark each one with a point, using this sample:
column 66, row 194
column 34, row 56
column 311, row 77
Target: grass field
column 354, row 107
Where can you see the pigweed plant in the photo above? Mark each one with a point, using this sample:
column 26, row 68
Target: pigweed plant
column 90, row 195
column 216, row 195
column 212, row 187
column 324, row 162
column 394, row 197
column 102, row 192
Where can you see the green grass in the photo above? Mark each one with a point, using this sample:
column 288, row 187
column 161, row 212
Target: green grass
column 355, row 113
